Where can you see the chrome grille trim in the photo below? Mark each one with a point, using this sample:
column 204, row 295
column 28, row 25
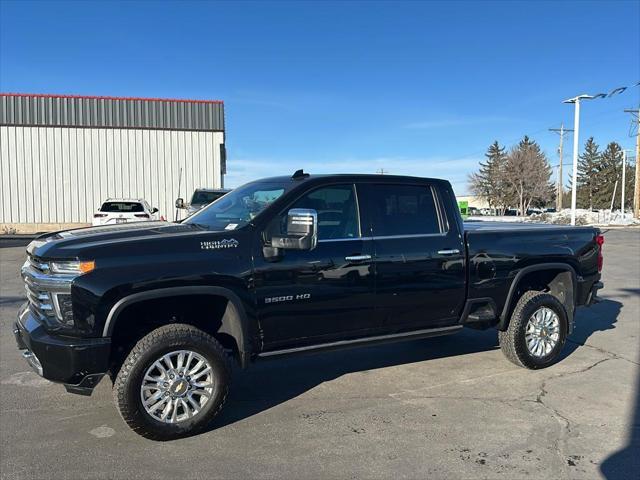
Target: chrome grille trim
column 41, row 287
column 38, row 265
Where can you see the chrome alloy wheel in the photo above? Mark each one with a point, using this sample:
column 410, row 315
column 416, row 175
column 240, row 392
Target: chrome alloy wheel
column 177, row 386
column 542, row 332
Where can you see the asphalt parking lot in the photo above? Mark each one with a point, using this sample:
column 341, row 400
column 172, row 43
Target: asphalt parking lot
column 449, row 407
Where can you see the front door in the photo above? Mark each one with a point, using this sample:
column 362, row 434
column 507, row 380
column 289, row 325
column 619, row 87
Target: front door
column 324, row 294
column 419, row 257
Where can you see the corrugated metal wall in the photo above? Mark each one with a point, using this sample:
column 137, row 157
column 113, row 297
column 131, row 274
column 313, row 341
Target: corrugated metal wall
column 61, row 175
column 76, row 111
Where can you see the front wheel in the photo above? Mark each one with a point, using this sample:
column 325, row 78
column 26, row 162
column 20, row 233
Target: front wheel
column 537, row 331
column 173, row 382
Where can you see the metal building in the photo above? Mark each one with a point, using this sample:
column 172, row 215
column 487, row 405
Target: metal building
column 61, row 156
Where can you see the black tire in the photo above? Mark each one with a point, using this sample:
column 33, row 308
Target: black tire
column 128, row 382
column 512, row 340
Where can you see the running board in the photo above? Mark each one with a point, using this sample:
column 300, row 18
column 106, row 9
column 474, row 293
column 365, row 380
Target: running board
column 366, row 341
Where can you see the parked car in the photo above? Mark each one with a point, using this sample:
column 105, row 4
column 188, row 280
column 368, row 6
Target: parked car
column 124, row 210
column 201, row 198
column 283, row 266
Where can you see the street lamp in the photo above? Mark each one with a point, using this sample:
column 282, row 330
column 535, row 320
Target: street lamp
column 576, row 135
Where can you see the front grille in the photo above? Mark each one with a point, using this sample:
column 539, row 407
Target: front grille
column 40, row 300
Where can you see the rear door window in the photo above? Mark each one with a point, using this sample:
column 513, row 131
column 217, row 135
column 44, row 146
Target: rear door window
column 403, row 210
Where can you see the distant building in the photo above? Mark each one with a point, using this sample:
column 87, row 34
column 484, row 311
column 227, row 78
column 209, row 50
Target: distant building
column 473, row 201
column 61, row 156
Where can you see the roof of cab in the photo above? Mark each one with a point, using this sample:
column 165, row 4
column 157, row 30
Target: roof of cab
column 353, row 177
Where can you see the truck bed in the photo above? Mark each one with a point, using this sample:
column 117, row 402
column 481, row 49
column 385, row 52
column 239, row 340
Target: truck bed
column 498, row 251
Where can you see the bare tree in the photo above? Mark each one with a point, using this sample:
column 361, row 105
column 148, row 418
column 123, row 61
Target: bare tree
column 527, row 176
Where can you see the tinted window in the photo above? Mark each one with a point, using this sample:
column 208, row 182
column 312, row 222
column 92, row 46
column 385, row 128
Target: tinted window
column 202, row 197
column 122, row 207
column 403, row 210
column 337, row 212
column 238, row 207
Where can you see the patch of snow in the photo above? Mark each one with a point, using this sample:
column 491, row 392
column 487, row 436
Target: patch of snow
column 583, row 217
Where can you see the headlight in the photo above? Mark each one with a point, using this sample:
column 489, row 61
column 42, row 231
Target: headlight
column 74, row 267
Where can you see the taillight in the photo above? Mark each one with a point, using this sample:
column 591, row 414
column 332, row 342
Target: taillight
column 600, row 242
column 98, row 215
column 142, row 215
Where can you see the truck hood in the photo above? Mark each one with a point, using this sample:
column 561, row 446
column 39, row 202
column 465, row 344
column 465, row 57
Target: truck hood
column 70, row 244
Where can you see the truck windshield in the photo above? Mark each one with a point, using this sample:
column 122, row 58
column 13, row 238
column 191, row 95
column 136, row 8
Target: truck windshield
column 238, row 207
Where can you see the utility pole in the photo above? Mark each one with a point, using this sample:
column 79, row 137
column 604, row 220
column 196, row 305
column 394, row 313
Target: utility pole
column 381, row 171
column 636, row 190
column 559, row 190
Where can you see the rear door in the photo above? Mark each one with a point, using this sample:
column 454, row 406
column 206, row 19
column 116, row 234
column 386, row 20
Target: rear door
column 418, row 259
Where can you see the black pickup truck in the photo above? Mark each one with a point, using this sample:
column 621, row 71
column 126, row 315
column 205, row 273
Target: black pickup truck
column 288, row 265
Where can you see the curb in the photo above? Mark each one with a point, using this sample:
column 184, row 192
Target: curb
column 26, row 236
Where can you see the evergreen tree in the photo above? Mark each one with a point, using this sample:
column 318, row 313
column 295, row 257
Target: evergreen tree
column 589, row 165
column 630, row 181
column 609, row 172
column 488, row 181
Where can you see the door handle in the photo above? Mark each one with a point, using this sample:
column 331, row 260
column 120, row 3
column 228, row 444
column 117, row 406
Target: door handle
column 357, row 258
column 451, row 251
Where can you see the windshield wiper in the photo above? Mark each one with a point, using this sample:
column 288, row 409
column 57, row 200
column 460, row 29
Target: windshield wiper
column 202, row 226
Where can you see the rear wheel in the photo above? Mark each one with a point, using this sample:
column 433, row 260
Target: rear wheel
column 537, row 331
column 173, row 382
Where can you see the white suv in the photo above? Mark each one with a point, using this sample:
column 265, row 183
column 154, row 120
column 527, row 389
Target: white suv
column 124, row 210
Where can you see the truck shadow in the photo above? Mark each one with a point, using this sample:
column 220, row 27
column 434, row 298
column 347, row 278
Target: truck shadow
column 621, row 464
column 272, row 382
column 597, row 318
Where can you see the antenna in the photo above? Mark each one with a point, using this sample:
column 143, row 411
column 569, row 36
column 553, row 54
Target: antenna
column 299, row 175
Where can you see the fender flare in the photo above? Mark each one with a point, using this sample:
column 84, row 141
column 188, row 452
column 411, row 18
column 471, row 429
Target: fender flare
column 502, row 324
column 234, row 320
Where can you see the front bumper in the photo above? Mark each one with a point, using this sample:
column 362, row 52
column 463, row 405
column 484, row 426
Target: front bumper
column 78, row 363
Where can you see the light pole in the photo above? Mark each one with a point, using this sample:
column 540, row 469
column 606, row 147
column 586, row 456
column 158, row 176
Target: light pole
column 576, row 136
column 624, row 179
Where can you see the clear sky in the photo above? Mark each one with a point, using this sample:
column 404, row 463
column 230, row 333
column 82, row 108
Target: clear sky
column 417, row 88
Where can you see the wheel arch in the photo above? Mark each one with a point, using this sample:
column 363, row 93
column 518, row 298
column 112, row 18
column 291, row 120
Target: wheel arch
column 561, row 280
column 234, row 320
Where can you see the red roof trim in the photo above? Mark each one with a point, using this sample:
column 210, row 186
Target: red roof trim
column 92, row 97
